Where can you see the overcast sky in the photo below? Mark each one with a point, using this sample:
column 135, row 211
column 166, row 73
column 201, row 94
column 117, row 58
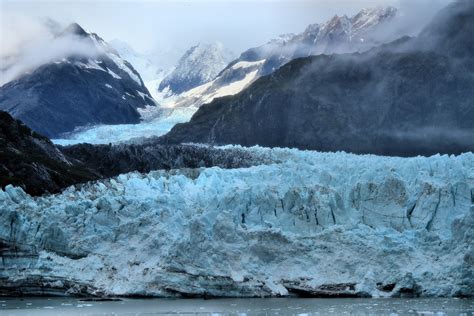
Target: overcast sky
column 174, row 25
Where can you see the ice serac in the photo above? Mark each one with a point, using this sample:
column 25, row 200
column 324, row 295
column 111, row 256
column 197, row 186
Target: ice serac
column 409, row 97
column 199, row 65
column 85, row 83
column 308, row 224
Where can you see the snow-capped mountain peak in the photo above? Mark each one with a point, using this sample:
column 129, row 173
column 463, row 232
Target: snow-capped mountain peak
column 367, row 18
column 75, row 29
column 343, row 29
column 199, row 65
column 340, row 34
column 97, row 86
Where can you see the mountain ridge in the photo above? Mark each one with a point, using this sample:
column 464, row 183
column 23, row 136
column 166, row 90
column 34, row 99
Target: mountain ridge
column 378, row 102
column 339, row 34
column 93, row 86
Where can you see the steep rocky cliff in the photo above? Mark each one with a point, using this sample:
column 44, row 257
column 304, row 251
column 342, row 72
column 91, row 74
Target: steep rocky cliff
column 31, row 161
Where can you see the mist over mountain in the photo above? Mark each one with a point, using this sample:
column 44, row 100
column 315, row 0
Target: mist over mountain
column 341, row 34
column 147, row 65
column 78, row 80
column 410, row 97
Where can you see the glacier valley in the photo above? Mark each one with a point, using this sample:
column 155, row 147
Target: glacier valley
column 156, row 122
column 305, row 223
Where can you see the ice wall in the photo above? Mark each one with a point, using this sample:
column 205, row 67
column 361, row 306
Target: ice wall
column 309, row 224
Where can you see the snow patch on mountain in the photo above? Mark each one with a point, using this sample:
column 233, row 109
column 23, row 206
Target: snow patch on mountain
column 226, row 84
column 346, row 225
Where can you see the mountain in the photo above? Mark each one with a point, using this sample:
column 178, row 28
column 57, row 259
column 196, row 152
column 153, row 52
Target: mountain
column 410, row 97
column 146, row 65
column 200, row 64
column 85, row 82
column 33, row 162
column 341, row 34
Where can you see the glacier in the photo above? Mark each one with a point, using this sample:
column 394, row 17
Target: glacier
column 305, row 223
column 156, row 122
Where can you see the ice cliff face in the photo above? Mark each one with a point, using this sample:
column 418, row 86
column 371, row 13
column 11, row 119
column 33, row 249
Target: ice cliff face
column 199, row 65
column 308, row 224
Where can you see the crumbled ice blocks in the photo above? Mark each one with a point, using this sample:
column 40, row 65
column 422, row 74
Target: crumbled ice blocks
column 312, row 224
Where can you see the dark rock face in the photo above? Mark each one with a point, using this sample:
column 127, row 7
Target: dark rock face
column 340, row 290
column 40, row 286
column 59, row 96
column 411, row 97
column 31, row 161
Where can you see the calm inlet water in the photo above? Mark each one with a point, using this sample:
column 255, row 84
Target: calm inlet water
column 277, row 306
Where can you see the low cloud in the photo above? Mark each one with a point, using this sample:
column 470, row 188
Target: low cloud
column 412, row 17
column 28, row 43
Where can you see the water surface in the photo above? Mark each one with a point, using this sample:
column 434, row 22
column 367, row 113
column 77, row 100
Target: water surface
column 273, row 306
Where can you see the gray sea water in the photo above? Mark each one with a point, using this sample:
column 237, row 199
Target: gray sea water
column 274, row 306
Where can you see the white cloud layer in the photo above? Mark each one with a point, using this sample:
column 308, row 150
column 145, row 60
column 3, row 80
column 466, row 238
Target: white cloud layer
column 169, row 27
column 29, row 43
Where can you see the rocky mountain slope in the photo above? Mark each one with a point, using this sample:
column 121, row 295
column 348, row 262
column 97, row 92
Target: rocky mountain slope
column 199, row 65
column 341, row 34
column 30, row 161
column 80, row 89
column 347, row 225
column 413, row 96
